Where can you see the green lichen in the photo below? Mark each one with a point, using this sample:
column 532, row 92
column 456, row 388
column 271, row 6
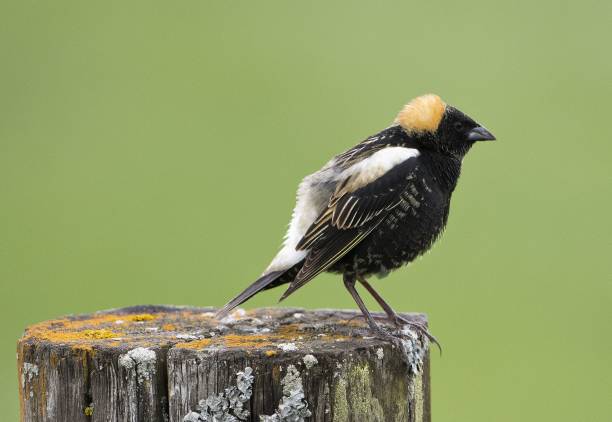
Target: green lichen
column 402, row 411
column 89, row 410
column 353, row 391
column 418, row 398
column 364, row 404
column 340, row 402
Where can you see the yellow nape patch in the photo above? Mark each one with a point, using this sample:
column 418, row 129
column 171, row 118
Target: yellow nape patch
column 423, row 114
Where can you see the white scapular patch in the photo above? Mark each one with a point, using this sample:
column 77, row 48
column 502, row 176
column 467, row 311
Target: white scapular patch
column 376, row 165
column 315, row 191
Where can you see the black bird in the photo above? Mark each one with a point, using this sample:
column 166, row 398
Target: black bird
column 377, row 206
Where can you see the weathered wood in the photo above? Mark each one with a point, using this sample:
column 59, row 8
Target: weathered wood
column 159, row 363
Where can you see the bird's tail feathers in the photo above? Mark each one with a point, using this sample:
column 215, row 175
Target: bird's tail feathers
column 258, row 285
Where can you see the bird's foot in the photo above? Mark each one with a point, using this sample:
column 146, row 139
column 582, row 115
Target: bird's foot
column 378, row 331
column 401, row 322
column 399, row 336
column 383, row 318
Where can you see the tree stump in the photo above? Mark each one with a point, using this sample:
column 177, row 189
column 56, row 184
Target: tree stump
column 159, row 363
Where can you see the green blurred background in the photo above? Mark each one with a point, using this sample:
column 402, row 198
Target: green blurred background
column 150, row 151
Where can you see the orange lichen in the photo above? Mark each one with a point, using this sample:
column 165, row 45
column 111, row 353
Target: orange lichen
column 83, row 348
column 197, row 344
column 231, row 341
column 85, row 334
column 140, row 317
column 97, row 327
column 288, row 330
column 70, row 336
column 98, row 334
column 252, row 340
column 96, row 321
column 353, row 322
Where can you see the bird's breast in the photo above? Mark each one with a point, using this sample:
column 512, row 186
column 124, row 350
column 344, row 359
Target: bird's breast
column 409, row 230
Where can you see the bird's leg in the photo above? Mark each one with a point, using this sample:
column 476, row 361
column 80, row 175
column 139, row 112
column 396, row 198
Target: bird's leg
column 391, row 314
column 349, row 283
column 398, row 320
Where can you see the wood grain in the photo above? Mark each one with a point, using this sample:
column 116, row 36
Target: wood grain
column 156, row 363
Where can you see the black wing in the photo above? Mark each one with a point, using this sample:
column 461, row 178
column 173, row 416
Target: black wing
column 357, row 207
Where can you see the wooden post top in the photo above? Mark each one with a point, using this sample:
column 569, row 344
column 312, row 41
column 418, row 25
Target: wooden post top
column 169, row 363
column 258, row 330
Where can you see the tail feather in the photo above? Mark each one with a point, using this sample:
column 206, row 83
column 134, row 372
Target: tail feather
column 258, row 285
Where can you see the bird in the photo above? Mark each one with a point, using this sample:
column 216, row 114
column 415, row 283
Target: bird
column 375, row 207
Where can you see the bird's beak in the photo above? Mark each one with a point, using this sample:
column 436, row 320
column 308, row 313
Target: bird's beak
column 479, row 133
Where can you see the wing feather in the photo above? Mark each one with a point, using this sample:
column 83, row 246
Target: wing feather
column 360, row 203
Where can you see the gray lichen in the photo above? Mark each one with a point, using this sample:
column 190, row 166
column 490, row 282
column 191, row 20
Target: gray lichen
column 293, row 407
column 29, row 371
column 309, row 361
column 287, row 347
column 413, row 348
column 182, row 336
column 228, row 406
column 236, row 315
column 141, row 360
column 380, row 353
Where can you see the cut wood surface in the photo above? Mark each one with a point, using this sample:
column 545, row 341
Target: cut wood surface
column 161, row 363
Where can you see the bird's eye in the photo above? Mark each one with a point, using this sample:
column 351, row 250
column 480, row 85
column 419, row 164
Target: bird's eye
column 458, row 126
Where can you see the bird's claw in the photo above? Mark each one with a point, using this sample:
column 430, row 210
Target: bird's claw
column 400, row 322
column 381, row 332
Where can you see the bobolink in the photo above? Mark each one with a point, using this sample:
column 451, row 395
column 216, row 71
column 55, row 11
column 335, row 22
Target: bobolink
column 377, row 206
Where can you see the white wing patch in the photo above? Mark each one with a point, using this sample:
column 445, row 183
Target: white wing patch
column 376, row 165
column 316, row 190
column 358, row 176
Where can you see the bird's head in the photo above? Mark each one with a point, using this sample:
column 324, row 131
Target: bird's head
column 432, row 124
